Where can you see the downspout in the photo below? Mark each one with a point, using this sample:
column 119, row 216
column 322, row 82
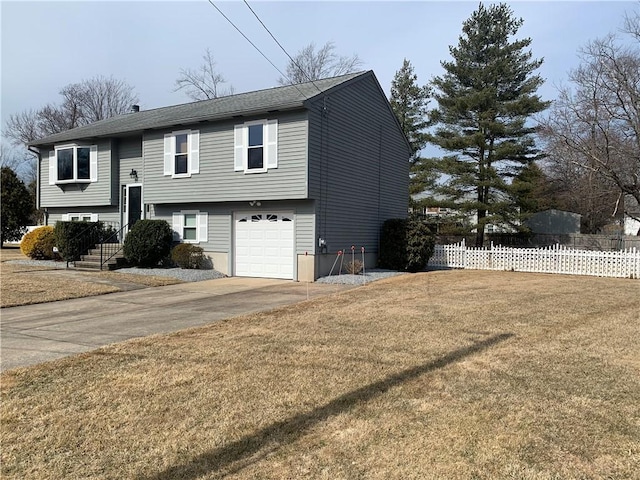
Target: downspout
column 36, row 151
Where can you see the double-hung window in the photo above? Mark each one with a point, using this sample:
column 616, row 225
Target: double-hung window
column 73, row 164
column 190, row 226
column 256, row 146
column 181, row 165
column 182, row 153
column 255, row 152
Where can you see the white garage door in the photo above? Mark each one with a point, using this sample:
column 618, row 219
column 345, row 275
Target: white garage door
column 264, row 245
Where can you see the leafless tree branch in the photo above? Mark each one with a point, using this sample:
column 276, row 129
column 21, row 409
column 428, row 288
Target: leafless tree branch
column 203, row 83
column 594, row 125
column 309, row 64
column 91, row 100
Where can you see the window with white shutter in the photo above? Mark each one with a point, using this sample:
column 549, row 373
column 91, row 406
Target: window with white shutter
column 190, row 226
column 256, row 146
column 182, row 153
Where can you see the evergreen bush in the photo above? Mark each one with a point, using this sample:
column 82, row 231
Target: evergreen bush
column 73, row 239
column 148, row 242
column 186, row 255
column 405, row 245
column 16, row 205
column 38, row 244
column 393, row 244
column 420, row 245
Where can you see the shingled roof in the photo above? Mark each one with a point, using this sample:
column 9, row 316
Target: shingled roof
column 244, row 104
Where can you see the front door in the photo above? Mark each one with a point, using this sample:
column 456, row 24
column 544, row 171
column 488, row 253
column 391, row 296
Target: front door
column 132, row 204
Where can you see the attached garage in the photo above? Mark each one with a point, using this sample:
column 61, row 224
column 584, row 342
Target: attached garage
column 264, row 245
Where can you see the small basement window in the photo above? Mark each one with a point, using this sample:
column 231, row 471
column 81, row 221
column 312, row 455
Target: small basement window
column 190, row 226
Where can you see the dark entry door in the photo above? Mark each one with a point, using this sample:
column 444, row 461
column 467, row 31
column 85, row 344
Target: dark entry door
column 134, row 204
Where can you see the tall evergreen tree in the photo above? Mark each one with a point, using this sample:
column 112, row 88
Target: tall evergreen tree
column 16, row 206
column 533, row 191
column 409, row 102
column 485, row 97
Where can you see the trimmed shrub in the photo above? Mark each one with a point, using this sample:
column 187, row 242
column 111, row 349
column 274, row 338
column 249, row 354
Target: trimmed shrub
column 420, row 245
column 38, row 244
column 393, row 244
column 353, row 268
column 74, row 239
column 186, row 255
column 405, row 244
column 148, row 242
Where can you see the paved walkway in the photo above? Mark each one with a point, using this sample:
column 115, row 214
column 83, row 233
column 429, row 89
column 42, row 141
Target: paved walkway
column 33, row 334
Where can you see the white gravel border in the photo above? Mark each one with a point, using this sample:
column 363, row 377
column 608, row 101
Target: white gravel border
column 368, row 277
column 189, row 275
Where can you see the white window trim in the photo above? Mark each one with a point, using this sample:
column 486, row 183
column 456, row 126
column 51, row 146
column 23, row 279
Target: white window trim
column 202, row 226
column 193, row 153
column 66, row 217
column 269, row 146
column 93, row 164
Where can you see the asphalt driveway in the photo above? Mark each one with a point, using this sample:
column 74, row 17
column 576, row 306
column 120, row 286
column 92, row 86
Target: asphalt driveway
column 33, row 334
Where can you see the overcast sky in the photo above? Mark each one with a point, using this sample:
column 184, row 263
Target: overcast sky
column 47, row 45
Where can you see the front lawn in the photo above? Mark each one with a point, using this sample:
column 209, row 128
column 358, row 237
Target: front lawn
column 449, row 374
column 28, row 284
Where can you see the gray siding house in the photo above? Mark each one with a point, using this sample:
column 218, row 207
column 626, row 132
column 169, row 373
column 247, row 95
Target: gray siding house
column 270, row 183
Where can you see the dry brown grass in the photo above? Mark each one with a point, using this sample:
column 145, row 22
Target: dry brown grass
column 24, row 284
column 441, row 375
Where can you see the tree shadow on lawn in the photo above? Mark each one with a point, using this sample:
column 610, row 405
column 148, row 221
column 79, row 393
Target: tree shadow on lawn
column 290, row 430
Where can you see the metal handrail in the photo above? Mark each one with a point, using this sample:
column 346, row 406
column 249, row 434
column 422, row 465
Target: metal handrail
column 118, row 236
column 83, row 246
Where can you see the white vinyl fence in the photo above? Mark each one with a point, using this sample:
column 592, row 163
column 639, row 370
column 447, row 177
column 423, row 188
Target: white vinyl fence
column 553, row 259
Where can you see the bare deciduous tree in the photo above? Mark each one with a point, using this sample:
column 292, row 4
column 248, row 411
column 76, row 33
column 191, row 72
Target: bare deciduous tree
column 7, row 158
column 23, row 127
column 579, row 190
column 309, row 64
column 20, row 161
column 205, row 82
column 98, row 98
column 632, row 25
column 90, row 100
column 594, row 124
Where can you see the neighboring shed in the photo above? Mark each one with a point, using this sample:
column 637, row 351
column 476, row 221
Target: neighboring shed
column 554, row 222
column 631, row 216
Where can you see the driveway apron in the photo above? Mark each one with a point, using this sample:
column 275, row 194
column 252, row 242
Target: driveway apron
column 33, row 334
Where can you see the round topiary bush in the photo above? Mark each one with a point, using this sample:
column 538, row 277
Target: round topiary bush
column 38, row 244
column 148, row 242
column 186, row 255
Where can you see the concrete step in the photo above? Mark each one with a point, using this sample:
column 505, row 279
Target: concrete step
column 113, row 251
column 94, row 265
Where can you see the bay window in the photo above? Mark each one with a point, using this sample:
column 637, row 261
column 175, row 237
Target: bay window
column 73, row 164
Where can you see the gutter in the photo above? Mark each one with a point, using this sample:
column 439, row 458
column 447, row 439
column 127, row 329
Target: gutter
column 36, row 151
